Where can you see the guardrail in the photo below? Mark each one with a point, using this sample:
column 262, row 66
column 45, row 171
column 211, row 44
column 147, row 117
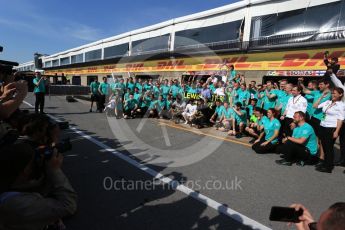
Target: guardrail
column 68, row 90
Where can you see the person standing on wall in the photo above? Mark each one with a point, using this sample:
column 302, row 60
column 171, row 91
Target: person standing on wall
column 94, row 94
column 40, row 84
column 103, row 90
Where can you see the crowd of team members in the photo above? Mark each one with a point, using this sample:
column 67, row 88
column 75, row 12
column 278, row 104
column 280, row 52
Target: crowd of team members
column 300, row 122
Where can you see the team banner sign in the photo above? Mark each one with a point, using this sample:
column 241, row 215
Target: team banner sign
column 196, row 96
column 300, row 60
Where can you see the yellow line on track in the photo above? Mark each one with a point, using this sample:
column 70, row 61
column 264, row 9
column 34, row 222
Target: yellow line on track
column 204, row 134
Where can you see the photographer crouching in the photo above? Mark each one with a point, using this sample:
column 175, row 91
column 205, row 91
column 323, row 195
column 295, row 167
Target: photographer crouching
column 34, row 192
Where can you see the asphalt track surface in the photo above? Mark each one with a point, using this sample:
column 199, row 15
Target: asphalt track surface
column 262, row 183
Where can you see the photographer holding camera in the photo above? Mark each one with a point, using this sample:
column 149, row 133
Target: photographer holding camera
column 40, row 90
column 332, row 65
column 12, row 95
column 34, row 192
column 22, row 205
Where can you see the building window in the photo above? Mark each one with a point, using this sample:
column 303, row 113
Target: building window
column 76, row 58
column 116, row 51
column 160, row 43
column 55, row 62
column 47, row 64
column 212, row 34
column 64, row 61
column 93, row 55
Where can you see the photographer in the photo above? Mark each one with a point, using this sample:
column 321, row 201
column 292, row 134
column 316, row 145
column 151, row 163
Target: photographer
column 11, row 96
column 333, row 218
column 23, row 209
column 332, row 66
column 40, row 91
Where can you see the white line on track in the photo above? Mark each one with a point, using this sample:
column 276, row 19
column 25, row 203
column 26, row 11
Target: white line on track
column 173, row 183
column 165, row 135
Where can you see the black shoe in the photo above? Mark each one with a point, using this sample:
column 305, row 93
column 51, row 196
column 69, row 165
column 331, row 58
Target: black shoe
column 284, row 162
column 320, row 163
column 90, row 111
column 341, row 164
column 238, row 135
column 324, row 169
column 252, row 141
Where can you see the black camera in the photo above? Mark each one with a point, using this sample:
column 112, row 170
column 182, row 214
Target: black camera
column 62, row 147
column 6, row 67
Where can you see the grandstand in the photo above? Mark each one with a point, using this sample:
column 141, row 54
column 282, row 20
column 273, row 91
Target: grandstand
column 260, row 37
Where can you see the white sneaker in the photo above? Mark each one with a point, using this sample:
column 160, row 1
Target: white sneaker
column 186, row 123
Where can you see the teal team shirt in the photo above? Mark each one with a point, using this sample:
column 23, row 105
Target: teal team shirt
column 317, row 113
column 262, row 122
column 156, row 91
column 126, row 96
column 131, row 103
column 270, row 127
column 250, row 110
column 130, row 86
column 94, row 87
column 219, row 110
column 260, row 100
column 269, row 103
column 137, row 96
column 104, row 87
column 228, row 113
column 146, row 102
column 147, row 87
column 192, row 90
column 243, row 96
column 310, row 101
column 41, row 88
column 139, row 86
column 241, row 119
column 308, row 133
column 165, row 90
column 175, row 90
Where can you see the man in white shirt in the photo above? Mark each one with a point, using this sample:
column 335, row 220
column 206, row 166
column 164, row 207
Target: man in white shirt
column 220, row 91
column 189, row 111
column 295, row 103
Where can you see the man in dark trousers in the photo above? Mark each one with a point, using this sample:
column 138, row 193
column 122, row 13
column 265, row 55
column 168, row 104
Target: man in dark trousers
column 40, row 84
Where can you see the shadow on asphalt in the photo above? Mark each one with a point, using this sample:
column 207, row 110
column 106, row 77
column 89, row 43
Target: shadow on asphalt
column 102, row 205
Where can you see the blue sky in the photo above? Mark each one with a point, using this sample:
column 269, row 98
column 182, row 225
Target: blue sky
column 51, row 26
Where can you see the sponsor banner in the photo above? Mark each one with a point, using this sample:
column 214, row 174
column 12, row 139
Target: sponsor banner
column 197, row 96
column 302, row 73
column 301, row 60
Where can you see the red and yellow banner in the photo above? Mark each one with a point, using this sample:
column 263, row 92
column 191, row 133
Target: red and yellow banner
column 311, row 59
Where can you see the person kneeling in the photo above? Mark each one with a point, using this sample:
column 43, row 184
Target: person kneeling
column 268, row 139
column 130, row 107
column 302, row 146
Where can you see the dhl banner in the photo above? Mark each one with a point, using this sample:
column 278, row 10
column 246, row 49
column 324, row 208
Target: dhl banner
column 299, row 60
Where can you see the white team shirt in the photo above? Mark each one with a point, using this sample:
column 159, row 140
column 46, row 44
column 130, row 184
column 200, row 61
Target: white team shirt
column 295, row 104
column 333, row 112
